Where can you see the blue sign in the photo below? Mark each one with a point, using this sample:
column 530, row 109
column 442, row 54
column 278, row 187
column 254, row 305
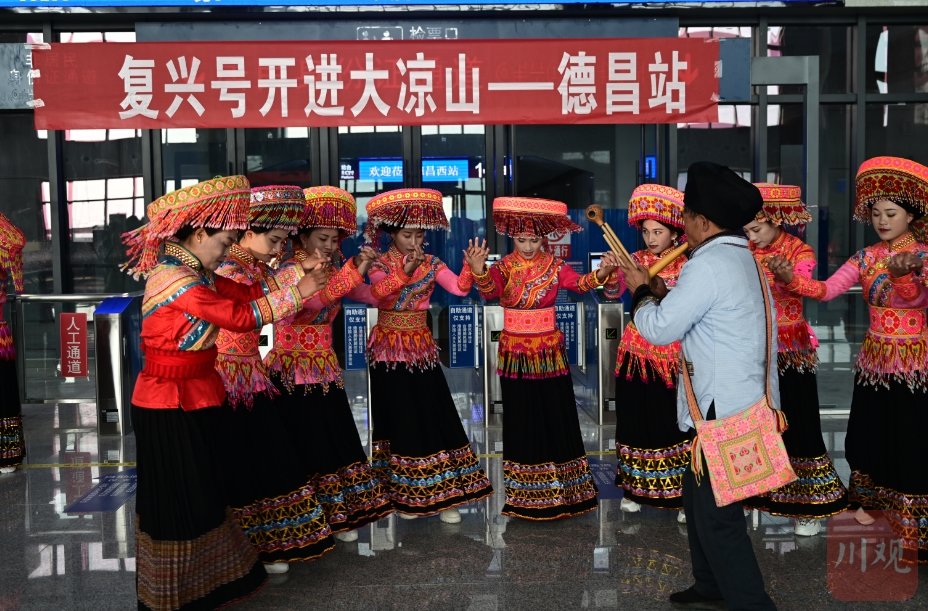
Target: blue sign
column 565, row 314
column 355, row 337
column 650, row 167
column 444, row 170
column 207, row 3
column 384, row 170
column 109, row 495
column 604, row 475
column 462, row 336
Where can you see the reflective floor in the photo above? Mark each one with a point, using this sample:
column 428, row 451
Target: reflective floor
column 603, row 560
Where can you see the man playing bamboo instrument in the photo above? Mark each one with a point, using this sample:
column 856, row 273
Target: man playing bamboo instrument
column 717, row 311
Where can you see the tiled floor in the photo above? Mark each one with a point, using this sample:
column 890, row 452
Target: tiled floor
column 603, row 560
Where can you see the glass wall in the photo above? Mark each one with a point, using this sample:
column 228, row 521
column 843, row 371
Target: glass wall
column 832, row 45
column 279, row 156
column 897, row 59
column 190, row 155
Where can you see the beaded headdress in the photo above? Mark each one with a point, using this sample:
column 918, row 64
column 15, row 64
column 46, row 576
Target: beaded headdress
column 528, row 215
column 220, row 203
column 12, row 241
column 407, row 208
column 782, row 205
column 276, row 207
column 899, row 180
column 332, row 208
column 656, row 203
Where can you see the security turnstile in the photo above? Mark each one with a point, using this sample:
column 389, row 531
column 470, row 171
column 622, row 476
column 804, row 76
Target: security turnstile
column 117, row 323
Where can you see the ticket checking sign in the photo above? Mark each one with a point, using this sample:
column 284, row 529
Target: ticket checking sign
column 73, row 332
column 355, row 337
column 565, row 315
column 462, row 336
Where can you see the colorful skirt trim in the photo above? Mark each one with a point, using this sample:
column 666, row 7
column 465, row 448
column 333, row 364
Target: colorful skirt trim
column 653, row 474
column 287, row 528
column 424, row 486
column 243, row 376
column 638, row 352
column 7, row 351
column 311, row 367
column 219, row 559
column 532, row 356
column 531, row 489
column 12, row 444
column 818, row 490
column 796, row 348
column 353, row 497
column 895, row 348
column 402, row 337
column 907, row 513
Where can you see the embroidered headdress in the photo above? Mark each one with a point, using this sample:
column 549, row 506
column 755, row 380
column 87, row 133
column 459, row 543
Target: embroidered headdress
column 656, row 203
column 276, row 207
column 408, row 208
column 12, row 242
column 332, row 208
column 782, row 205
column 220, row 203
column 528, row 215
column 901, row 181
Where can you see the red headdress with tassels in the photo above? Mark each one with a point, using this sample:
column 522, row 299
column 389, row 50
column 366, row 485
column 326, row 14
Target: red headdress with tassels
column 407, row 208
column 782, row 205
column 515, row 216
column 12, row 241
column 894, row 178
column 331, row 208
column 276, row 207
column 656, row 203
column 220, row 203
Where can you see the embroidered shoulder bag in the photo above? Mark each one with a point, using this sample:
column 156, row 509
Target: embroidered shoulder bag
column 745, row 452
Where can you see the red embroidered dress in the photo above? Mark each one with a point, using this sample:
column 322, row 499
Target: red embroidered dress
column 239, row 362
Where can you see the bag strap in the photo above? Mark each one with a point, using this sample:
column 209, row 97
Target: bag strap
column 695, row 414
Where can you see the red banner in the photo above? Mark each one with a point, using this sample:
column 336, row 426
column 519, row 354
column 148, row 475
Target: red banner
column 420, row 82
column 73, row 345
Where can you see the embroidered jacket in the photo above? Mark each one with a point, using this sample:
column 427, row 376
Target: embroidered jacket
column 796, row 342
column 531, row 345
column 182, row 311
column 302, row 351
column 239, row 362
column 663, row 360
column 896, row 344
column 401, row 334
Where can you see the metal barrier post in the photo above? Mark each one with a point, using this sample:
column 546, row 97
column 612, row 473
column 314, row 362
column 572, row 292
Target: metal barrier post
column 492, row 394
column 117, row 327
column 610, row 322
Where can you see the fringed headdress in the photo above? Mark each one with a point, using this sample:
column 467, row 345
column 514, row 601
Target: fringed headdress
column 12, row 242
column 331, row 208
column 901, row 181
column 515, row 216
column 407, row 208
column 220, row 203
column 656, row 203
column 782, row 205
column 276, row 207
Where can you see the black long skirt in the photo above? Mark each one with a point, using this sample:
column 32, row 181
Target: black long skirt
column 420, row 448
column 652, row 452
column 885, row 449
column 272, row 497
column 12, row 442
column 545, row 467
column 818, row 493
column 191, row 553
column 324, row 434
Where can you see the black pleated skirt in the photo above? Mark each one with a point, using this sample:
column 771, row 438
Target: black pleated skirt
column 190, row 552
column 545, row 467
column 420, row 448
column 323, row 431
column 818, row 492
column 885, row 449
column 652, row 452
column 12, row 442
column 272, row 496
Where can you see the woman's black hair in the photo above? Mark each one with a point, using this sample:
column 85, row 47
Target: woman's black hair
column 669, row 228
column 391, row 229
column 916, row 214
column 188, row 230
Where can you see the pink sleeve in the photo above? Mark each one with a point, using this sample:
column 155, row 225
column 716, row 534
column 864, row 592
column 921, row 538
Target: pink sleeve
column 908, row 292
column 491, row 284
column 804, row 268
column 453, row 283
column 362, row 293
column 847, row 276
column 615, row 285
column 572, row 281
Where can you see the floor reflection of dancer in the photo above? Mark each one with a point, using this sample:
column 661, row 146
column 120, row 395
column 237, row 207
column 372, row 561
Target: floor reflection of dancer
column 277, row 508
column 312, row 400
column 544, row 462
column 652, row 451
column 885, row 431
column 818, row 493
column 420, row 447
column 12, row 441
column 191, row 553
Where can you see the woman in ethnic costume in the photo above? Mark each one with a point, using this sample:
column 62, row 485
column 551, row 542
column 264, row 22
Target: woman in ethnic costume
column 818, row 493
column 420, row 449
column 544, row 462
column 12, row 442
column 312, row 401
column 277, row 508
column 191, row 553
column 885, row 432
column 651, row 450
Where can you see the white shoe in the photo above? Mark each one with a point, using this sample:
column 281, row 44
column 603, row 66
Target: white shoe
column 7, row 469
column 406, row 516
column 450, row 516
column 629, row 506
column 347, row 537
column 863, row 517
column 807, row 528
column 681, row 517
column 277, row 568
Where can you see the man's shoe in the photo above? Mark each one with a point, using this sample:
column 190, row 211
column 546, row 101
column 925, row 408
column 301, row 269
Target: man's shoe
column 691, row 599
